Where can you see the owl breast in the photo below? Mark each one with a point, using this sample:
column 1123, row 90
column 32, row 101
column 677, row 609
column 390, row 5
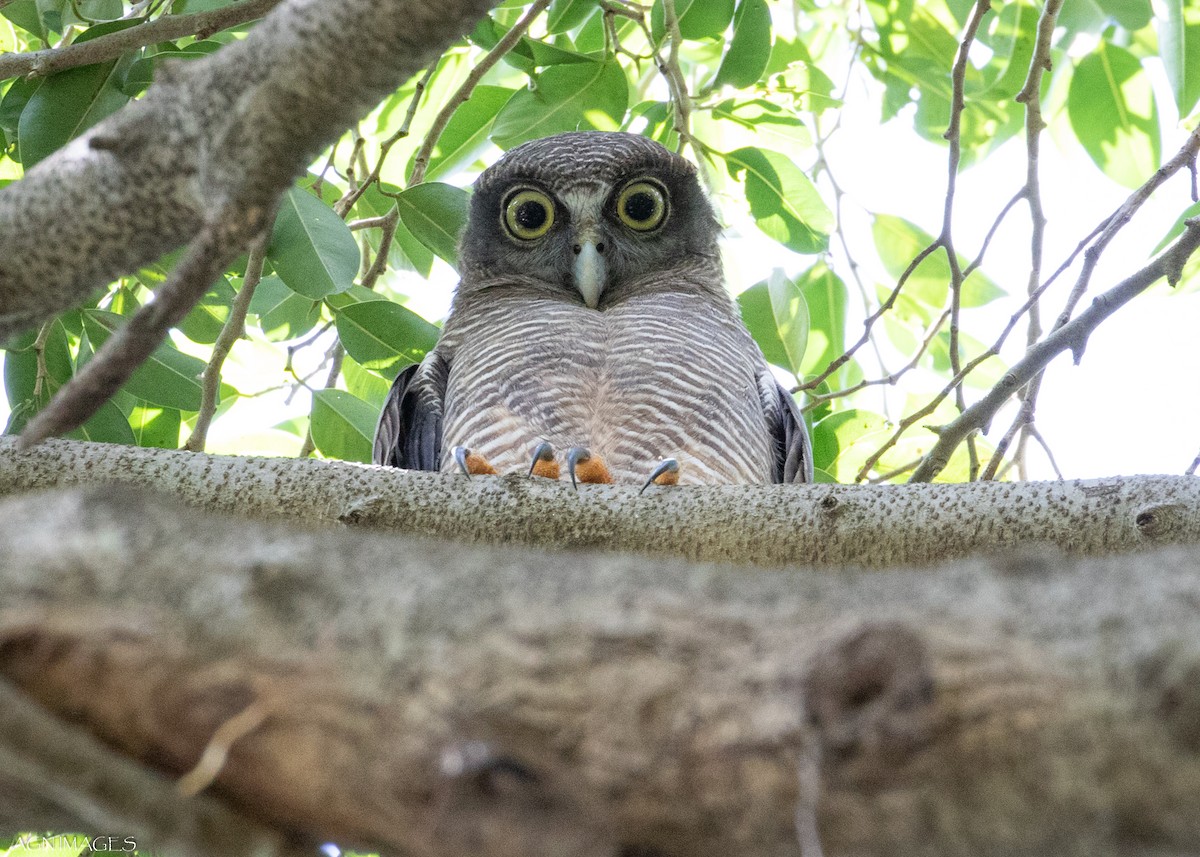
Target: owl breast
column 656, row 376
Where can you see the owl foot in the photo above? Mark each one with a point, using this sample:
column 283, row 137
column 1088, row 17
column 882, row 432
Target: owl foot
column 585, row 467
column 471, row 464
column 666, row 473
column 543, row 463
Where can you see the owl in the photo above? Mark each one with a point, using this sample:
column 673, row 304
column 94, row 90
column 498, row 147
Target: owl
column 592, row 331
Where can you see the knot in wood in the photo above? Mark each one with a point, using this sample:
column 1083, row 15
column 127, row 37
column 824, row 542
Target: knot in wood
column 869, row 696
column 1161, row 521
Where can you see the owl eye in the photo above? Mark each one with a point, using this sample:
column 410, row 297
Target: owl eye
column 528, row 214
column 642, row 205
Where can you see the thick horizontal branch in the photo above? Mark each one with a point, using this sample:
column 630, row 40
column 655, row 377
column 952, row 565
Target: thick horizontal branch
column 859, row 524
column 437, row 699
column 112, row 45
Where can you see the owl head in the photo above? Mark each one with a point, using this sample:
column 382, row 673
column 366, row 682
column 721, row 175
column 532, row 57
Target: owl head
column 589, row 215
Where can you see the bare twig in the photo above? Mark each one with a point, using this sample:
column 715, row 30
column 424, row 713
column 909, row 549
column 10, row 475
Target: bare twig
column 231, row 332
column 50, row 60
column 946, row 239
column 1071, row 336
column 357, row 189
column 1191, row 471
column 506, row 44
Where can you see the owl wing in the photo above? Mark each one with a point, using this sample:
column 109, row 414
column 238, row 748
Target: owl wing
column 792, row 461
column 409, row 433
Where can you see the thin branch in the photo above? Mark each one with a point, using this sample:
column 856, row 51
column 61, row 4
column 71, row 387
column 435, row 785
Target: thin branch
column 506, row 44
column 1071, row 336
column 816, row 399
column 1191, row 471
column 233, row 330
column 388, row 223
column 356, row 190
column 869, row 322
column 954, row 138
column 51, row 60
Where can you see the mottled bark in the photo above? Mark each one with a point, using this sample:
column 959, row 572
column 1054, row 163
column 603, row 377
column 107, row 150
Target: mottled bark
column 842, row 524
column 432, row 698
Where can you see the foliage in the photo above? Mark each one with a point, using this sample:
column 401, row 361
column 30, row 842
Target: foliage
column 753, row 91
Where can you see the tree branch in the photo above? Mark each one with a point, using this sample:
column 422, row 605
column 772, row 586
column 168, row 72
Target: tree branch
column 855, row 524
column 433, row 699
column 112, row 45
column 1072, row 336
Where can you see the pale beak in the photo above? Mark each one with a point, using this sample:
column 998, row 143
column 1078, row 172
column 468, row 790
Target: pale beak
column 589, row 270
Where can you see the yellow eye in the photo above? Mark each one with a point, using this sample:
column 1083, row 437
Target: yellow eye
column 528, row 214
column 642, row 205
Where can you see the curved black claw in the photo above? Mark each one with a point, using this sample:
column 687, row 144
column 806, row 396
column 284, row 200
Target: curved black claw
column 668, row 468
column 460, row 458
column 585, row 467
column 543, row 463
column 575, row 455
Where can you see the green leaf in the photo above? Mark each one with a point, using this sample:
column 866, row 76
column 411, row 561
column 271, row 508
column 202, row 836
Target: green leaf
column 564, row 15
column 843, row 441
column 566, row 98
column 698, row 19
column 435, row 214
column 70, row 102
column 311, row 249
column 363, row 383
column 384, row 336
column 791, row 317
column 407, row 250
column 825, row 295
column 784, row 203
column 898, row 241
column 1012, row 36
column 207, row 318
column 169, row 378
column 343, row 426
column 283, row 314
column 1114, row 115
column 759, row 318
column 467, row 132
column 1179, row 38
column 154, row 426
column 750, row 48
column 107, row 425
column 1130, row 14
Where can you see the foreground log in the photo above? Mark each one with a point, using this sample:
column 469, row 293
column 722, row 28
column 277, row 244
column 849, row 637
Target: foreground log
column 771, row 525
column 432, row 698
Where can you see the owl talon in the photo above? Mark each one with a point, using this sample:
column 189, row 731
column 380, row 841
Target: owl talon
column 471, row 464
column 666, row 473
column 543, row 463
column 585, row 467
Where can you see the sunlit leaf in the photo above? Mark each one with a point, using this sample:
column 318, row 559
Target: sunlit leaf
column 750, row 47
column 343, row 426
column 791, row 317
column 468, row 129
column 1114, row 114
column 566, row 98
column 283, row 314
column 169, row 378
column 384, row 336
column 784, row 203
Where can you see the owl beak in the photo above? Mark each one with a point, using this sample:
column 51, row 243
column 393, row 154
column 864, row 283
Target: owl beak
column 589, row 269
